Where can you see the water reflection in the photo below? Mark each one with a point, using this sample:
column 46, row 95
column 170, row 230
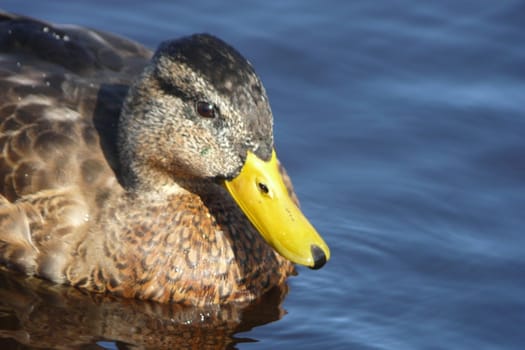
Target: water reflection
column 37, row 314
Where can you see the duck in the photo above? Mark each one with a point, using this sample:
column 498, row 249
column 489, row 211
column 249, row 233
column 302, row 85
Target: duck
column 146, row 175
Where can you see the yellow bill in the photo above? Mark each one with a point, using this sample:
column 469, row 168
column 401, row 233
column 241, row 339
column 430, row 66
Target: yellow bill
column 260, row 192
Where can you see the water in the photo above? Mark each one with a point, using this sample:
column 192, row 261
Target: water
column 402, row 126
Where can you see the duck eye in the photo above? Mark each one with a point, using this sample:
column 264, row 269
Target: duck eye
column 206, row 109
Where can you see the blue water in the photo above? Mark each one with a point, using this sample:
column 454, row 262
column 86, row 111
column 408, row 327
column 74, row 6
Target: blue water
column 402, row 124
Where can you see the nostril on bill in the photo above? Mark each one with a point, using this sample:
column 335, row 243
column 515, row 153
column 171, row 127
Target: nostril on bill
column 319, row 257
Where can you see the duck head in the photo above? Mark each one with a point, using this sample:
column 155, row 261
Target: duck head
column 200, row 113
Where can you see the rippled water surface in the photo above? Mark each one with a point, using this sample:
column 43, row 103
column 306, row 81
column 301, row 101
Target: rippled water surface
column 402, row 125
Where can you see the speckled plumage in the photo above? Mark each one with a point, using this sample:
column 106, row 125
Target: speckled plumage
column 121, row 194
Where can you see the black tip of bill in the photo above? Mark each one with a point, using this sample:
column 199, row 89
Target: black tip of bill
column 319, row 257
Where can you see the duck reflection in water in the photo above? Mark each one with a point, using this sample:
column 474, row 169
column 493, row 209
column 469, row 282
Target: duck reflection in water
column 39, row 314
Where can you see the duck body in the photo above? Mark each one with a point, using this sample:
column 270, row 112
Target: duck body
column 112, row 165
